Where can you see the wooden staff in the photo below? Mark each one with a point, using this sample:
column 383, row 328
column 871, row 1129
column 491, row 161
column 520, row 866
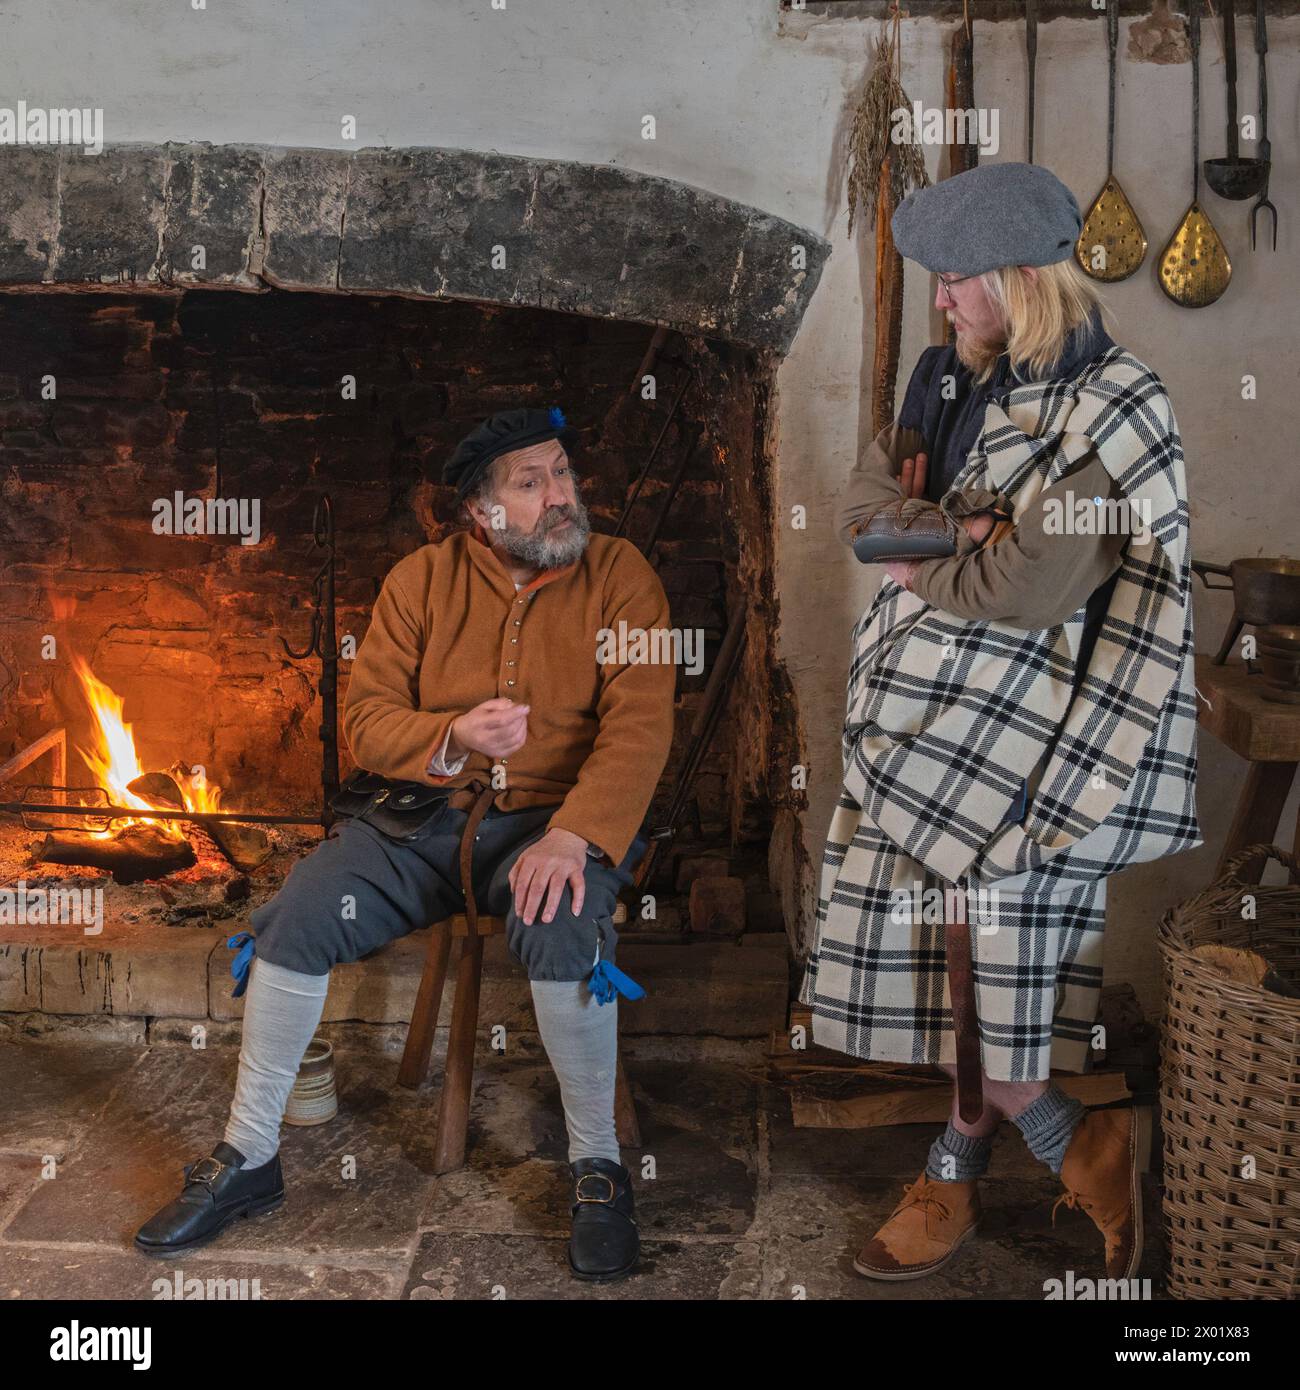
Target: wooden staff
column 889, row 306
column 959, row 95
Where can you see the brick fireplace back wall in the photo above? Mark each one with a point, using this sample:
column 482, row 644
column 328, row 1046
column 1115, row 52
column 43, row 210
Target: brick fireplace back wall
column 109, row 401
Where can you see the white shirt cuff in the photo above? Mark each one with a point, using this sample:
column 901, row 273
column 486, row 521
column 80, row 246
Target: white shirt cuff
column 438, row 766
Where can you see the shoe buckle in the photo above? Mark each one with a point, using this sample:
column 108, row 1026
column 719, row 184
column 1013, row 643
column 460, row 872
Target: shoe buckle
column 600, row 1177
column 207, row 1170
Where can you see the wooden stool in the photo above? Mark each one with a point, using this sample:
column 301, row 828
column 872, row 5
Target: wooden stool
column 1267, row 735
column 458, row 1078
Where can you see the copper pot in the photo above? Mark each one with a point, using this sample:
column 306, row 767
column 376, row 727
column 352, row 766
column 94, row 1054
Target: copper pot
column 1279, row 659
column 1265, row 592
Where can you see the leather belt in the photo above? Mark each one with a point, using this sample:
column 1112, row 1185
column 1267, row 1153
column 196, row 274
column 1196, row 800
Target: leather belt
column 477, row 796
column 965, row 1021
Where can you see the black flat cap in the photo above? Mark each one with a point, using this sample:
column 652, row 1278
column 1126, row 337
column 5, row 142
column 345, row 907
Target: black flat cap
column 990, row 216
column 505, row 432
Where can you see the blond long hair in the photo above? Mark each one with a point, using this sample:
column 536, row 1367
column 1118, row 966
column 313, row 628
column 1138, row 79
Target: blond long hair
column 1038, row 315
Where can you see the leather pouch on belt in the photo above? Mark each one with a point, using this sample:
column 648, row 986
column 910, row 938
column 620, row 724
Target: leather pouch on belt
column 399, row 810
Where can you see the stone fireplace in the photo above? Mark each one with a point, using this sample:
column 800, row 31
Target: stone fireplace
column 272, row 326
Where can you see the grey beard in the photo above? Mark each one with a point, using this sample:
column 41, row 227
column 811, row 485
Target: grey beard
column 541, row 550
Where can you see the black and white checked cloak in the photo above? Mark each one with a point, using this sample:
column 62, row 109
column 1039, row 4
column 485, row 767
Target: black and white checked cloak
column 948, row 718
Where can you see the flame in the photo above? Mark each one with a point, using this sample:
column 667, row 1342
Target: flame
column 114, row 762
column 199, row 793
column 62, row 606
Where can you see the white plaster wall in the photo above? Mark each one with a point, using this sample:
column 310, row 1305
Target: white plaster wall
column 756, row 109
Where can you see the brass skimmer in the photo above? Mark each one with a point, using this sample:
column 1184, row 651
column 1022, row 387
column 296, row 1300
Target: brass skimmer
column 1112, row 244
column 1194, row 267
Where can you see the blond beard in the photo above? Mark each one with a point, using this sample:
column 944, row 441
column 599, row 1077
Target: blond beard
column 976, row 354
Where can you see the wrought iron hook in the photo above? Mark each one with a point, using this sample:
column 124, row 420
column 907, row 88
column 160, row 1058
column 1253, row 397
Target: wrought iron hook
column 323, row 643
column 322, row 529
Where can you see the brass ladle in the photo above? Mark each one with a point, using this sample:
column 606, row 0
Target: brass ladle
column 1112, row 243
column 1194, row 268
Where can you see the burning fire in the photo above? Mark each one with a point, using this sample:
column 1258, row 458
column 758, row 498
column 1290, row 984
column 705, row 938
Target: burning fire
column 114, row 762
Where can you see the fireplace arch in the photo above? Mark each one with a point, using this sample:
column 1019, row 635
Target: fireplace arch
column 427, row 223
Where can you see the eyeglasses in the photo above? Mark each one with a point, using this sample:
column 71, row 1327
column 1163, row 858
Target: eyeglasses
column 955, row 280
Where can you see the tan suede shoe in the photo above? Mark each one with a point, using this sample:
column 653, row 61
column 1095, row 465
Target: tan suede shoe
column 923, row 1231
column 1101, row 1175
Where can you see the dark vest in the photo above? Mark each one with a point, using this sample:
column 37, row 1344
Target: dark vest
column 950, row 427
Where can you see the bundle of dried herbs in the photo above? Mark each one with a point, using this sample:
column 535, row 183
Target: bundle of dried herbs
column 871, row 142
column 882, row 172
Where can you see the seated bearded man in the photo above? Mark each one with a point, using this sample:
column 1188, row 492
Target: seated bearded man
column 479, row 673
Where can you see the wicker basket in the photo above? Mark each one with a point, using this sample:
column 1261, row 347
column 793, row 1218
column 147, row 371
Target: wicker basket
column 1230, row 1092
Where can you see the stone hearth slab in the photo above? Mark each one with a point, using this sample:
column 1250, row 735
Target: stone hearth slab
column 19, row 1174
column 96, row 1274
column 732, row 1211
column 515, row 1267
column 53, row 1095
column 514, row 1178
column 131, row 968
column 150, row 970
column 699, row 1141
column 699, row 1138
column 172, row 1107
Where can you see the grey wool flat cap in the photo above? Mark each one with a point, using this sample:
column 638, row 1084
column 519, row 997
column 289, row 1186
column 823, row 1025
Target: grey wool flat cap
column 990, row 216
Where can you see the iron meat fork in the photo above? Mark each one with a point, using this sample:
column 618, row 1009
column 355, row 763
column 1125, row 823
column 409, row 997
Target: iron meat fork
column 1265, row 150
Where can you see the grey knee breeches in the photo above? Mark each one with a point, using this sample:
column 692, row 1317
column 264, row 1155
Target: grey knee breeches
column 359, row 890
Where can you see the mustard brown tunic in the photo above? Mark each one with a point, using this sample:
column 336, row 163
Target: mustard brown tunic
column 449, row 631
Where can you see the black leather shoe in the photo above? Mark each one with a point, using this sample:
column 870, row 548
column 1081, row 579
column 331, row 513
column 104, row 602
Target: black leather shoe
column 218, row 1190
column 605, row 1244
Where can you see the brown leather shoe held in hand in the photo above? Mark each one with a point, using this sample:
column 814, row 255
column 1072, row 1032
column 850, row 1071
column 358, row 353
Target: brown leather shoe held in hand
column 923, row 1231
column 1101, row 1174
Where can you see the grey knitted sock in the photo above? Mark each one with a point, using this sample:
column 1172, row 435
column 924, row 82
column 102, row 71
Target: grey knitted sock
column 1048, row 1125
column 581, row 1040
column 957, row 1157
column 281, row 1012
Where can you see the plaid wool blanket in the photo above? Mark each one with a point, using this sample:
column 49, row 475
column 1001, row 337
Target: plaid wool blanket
column 949, row 719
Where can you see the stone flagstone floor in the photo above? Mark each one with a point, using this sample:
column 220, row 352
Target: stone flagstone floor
column 742, row 1205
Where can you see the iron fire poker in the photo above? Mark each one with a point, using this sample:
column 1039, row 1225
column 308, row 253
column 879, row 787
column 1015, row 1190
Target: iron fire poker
column 108, row 813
